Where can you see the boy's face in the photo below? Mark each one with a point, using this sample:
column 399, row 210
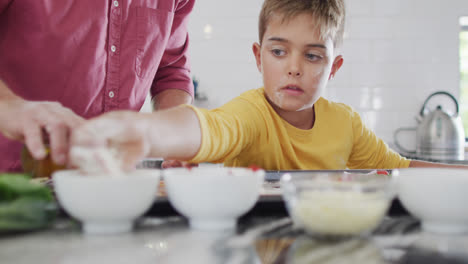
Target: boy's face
column 295, row 63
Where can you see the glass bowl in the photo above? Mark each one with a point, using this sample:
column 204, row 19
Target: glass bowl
column 337, row 205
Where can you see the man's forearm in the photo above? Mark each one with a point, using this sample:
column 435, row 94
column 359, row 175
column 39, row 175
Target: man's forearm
column 7, row 99
column 6, row 93
column 170, row 98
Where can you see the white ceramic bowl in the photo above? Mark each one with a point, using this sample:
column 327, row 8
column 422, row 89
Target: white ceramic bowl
column 213, row 198
column 436, row 196
column 106, row 204
column 336, row 205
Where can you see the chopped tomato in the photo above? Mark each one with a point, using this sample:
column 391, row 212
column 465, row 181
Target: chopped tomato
column 382, row 172
column 254, row 167
column 188, row 166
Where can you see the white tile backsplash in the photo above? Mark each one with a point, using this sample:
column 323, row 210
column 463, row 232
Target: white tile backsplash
column 396, row 52
column 389, row 8
column 357, row 51
column 370, row 28
column 359, row 8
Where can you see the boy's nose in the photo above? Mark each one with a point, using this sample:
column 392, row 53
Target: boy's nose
column 294, row 73
column 295, row 65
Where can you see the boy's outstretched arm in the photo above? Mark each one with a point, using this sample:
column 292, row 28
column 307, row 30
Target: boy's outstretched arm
column 173, row 134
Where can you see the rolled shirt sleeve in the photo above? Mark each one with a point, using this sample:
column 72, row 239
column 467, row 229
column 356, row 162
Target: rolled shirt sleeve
column 174, row 69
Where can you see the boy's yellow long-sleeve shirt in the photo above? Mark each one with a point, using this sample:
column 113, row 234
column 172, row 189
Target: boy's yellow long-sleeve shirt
column 247, row 131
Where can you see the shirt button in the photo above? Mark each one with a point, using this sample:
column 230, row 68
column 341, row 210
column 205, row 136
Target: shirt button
column 116, row 3
column 113, row 48
column 111, row 94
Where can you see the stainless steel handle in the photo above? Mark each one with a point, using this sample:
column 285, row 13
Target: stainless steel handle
column 421, row 113
column 395, row 139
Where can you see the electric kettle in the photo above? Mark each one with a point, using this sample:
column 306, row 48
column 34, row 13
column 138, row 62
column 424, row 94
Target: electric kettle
column 440, row 136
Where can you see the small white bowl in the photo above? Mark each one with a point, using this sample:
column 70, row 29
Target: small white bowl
column 436, row 196
column 213, row 198
column 106, row 204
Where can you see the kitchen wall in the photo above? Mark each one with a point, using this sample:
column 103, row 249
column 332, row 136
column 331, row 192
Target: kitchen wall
column 396, row 53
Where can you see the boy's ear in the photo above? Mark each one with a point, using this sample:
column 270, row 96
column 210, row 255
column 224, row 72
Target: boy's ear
column 337, row 63
column 256, row 50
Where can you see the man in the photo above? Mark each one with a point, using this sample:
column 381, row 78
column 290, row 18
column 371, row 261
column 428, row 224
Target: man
column 65, row 61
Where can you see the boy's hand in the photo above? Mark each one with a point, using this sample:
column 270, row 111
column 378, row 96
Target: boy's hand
column 37, row 123
column 123, row 132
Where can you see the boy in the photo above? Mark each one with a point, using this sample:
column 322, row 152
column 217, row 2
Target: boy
column 285, row 125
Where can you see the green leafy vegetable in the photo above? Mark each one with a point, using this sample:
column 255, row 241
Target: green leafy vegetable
column 24, row 204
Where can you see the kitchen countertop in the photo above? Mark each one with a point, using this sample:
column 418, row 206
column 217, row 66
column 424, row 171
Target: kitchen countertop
column 256, row 240
column 448, row 161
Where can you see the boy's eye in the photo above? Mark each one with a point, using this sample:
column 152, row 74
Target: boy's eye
column 277, row 52
column 312, row 57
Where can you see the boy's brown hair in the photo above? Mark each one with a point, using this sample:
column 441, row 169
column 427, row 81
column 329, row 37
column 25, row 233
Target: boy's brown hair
column 329, row 15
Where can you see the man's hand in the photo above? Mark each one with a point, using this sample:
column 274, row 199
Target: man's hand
column 35, row 123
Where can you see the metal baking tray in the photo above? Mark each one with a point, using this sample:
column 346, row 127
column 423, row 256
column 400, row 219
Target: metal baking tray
column 270, row 203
